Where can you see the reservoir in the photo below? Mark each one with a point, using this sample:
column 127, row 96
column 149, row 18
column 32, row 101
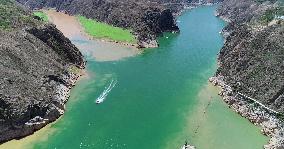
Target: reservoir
column 156, row 99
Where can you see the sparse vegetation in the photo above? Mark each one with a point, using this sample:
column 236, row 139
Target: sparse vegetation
column 270, row 14
column 41, row 15
column 74, row 69
column 12, row 16
column 103, row 30
column 261, row 1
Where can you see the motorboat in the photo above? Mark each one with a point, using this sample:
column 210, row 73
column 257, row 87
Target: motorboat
column 98, row 101
column 187, row 146
column 104, row 94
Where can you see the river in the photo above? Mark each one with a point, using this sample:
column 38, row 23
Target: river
column 161, row 97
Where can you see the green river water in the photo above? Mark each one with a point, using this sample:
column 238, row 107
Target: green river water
column 160, row 99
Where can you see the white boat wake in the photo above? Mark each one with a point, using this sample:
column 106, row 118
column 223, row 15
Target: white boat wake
column 104, row 94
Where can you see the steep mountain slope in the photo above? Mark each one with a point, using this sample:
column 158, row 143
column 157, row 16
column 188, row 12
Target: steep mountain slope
column 252, row 59
column 146, row 19
column 251, row 64
column 38, row 66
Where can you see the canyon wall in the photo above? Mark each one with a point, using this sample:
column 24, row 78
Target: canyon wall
column 252, row 58
column 38, row 67
column 146, row 19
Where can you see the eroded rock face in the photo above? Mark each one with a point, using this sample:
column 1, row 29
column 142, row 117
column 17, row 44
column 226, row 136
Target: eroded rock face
column 252, row 59
column 146, row 19
column 35, row 74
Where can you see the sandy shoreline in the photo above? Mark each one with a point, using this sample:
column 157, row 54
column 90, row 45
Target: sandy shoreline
column 71, row 28
column 43, row 127
column 270, row 125
column 74, row 28
column 25, row 143
column 100, row 49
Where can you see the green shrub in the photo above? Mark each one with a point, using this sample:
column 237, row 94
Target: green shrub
column 12, row 16
column 270, row 14
column 43, row 16
column 74, row 69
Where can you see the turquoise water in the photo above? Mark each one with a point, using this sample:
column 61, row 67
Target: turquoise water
column 159, row 100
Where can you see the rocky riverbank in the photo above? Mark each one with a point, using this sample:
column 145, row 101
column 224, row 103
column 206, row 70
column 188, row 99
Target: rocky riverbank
column 38, row 66
column 61, row 96
column 251, row 59
column 36, row 86
column 270, row 123
column 250, row 70
column 146, row 19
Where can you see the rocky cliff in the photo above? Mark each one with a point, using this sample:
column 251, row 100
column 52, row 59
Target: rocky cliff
column 252, row 59
column 38, row 67
column 147, row 19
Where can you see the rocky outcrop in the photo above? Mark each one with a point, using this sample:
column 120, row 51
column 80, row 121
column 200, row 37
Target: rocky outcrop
column 257, row 114
column 251, row 59
column 37, row 71
column 251, row 64
column 147, row 19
